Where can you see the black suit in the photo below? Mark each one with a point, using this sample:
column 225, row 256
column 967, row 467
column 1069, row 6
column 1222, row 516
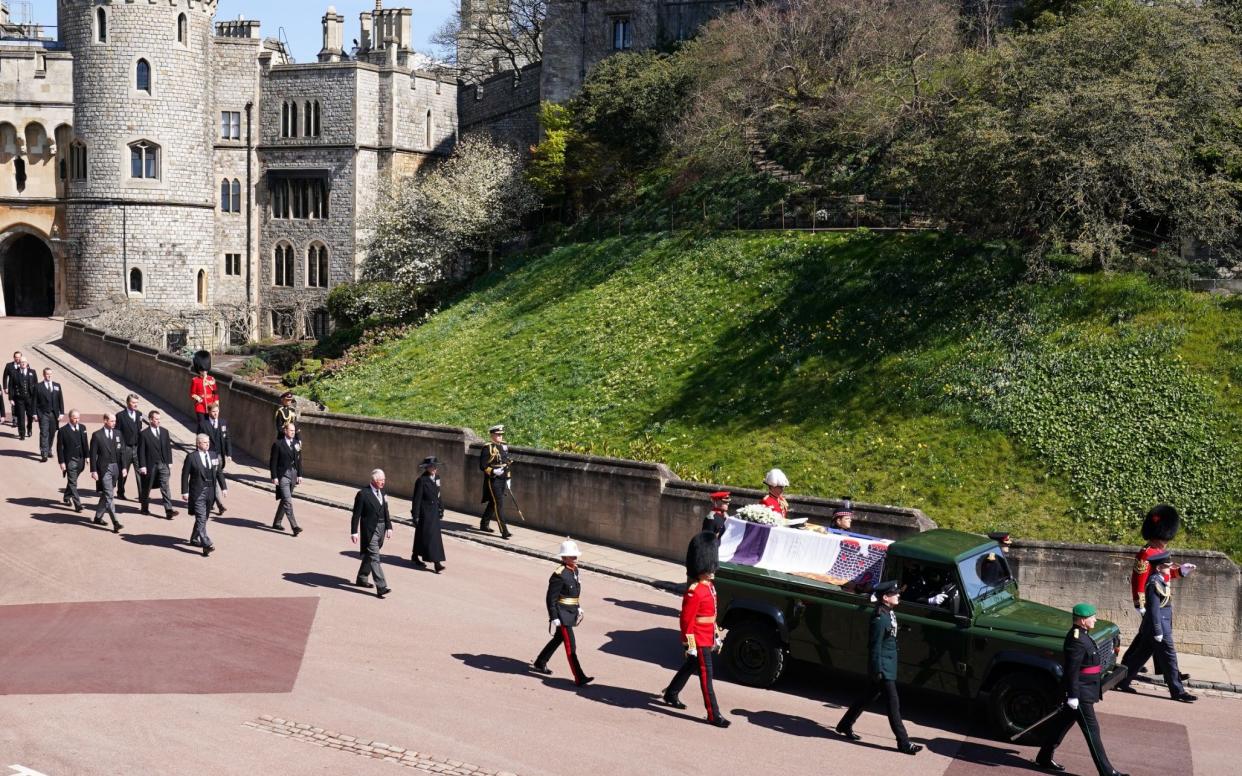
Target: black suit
column 106, row 464
column 370, row 521
column 427, row 512
column 285, row 463
column 199, row 480
column 49, row 405
column 71, row 451
column 155, row 455
column 9, row 370
column 130, row 428
column 221, row 444
column 21, row 387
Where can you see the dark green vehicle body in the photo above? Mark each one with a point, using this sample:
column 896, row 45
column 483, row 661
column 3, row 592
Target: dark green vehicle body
column 984, row 643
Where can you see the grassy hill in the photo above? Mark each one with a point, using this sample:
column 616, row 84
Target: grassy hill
column 914, row 370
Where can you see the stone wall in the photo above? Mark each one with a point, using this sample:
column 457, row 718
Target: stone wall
column 644, row 507
column 505, row 106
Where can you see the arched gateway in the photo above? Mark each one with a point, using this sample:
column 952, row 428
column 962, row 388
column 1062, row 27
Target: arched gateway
column 27, row 275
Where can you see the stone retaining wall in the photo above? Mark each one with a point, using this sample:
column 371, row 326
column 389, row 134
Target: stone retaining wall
column 644, row 507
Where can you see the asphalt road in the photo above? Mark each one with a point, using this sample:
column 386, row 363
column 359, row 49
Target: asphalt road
column 133, row 654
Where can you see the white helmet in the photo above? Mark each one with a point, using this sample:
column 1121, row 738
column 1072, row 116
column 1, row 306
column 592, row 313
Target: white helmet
column 776, row 478
column 569, row 549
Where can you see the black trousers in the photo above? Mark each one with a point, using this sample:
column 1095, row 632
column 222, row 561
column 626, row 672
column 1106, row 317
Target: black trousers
column 1085, row 717
column 700, row 663
column 129, row 457
column 23, row 416
column 564, row 635
column 879, row 688
column 495, row 504
column 1165, row 653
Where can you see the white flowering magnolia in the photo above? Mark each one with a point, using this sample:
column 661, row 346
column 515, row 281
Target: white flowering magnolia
column 758, row 513
column 420, row 232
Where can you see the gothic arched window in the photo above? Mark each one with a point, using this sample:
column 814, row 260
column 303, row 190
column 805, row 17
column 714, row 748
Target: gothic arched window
column 142, row 76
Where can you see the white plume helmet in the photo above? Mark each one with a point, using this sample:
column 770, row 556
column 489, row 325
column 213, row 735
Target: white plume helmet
column 569, row 549
column 775, row 478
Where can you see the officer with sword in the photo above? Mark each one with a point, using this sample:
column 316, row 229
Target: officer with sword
column 495, row 463
column 1082, row 676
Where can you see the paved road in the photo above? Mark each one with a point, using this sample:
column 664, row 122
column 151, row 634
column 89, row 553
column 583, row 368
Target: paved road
column 132, row 654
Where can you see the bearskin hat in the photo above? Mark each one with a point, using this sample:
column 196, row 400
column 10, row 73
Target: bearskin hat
column 1161, row 523
column 202, row 361
column 703, row 555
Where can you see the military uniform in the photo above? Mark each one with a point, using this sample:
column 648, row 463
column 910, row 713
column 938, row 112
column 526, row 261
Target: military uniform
column 1160, row 527
column 494, row 462
column 564, row 612
column 1082, row 674
column 1155, row 635
column 287, row 415
column 882, row 670
column 715, row 519
column 699, row 635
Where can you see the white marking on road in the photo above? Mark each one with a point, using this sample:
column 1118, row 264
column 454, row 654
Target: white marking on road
column 22, row 770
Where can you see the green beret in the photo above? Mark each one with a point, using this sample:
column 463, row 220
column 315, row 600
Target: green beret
column 1084, row 610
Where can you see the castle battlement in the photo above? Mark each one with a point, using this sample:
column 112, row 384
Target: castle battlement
column 206, row 6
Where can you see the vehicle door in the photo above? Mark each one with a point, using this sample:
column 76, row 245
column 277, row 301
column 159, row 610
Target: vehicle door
column 931, row 644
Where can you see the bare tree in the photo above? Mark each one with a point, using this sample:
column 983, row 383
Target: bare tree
column 485, row 37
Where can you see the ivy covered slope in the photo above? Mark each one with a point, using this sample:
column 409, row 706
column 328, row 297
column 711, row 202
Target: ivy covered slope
column 913, row 370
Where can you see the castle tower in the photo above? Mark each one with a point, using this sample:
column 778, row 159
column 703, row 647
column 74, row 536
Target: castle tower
column 140, row 219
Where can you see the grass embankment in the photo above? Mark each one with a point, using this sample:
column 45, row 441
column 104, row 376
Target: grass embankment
column 913, row 370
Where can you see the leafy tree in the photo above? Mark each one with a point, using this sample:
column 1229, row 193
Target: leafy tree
column 546, row 170
column 484, row 37
column 1083, row 135
column 632, row 100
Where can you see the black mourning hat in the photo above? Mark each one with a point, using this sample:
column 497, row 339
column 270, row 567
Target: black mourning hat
column 429, row 462
column 1161, row 523
column 201, row 361
column 703, row 555
column 1160, row 557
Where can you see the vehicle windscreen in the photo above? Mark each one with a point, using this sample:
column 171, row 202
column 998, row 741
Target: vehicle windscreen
column 985, row 573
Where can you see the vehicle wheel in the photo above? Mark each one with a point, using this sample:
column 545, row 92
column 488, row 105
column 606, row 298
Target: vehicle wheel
column 753, row 653
column 1018, row 701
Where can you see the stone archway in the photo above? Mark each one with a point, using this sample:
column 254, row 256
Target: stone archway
column 27, row 276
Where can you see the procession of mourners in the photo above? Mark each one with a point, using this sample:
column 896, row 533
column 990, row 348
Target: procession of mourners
column 877, row 576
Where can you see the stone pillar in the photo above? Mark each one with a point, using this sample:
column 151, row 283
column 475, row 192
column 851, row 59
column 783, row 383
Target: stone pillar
column 333, row 36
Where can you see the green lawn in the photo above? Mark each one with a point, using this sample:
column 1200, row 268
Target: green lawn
column 912, row 370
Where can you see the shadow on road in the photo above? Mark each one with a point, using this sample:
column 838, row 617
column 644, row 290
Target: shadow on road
column 242, row 522
column 387, row 560
column 316, row 579
column 654, row 645
column 787, row 723
column 161, row 540
column 11, row 453
column 36, row 502
column 497, row 664
column 980, row 753
column 69, row 518
column 644, row 607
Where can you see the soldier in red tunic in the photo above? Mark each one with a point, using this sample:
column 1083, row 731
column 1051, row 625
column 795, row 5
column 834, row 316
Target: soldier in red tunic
column 1159, row 528
column 699, row 634
column 715, row 520
column 203, row 389
column 776, row 481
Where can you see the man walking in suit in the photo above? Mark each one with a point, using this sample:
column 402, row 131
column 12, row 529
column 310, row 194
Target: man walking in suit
column 200, row 475
column 129, row 424
column 50, row 405
column 105, row 457
column 22, row 392
column 71, row 451
column 372, row 519
column 221, row 447
column 285, row 464
column 10, row 369
column 155, row 465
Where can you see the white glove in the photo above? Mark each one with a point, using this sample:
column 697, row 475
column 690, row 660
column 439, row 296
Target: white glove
column 556, row 622
column 938, row 599
column 719, row 642
column 1072, row 703
column 691, row 652
column 509, row 484
column 498, row 471
column 1159, row 637
column 1187, row 568
column 1142, row 611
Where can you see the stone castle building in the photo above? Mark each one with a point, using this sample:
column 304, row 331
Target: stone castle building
column 152, row 154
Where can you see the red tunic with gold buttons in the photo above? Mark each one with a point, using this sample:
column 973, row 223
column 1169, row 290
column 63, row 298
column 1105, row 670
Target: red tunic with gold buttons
column 1142, row 569
column 698, row 615
column 206, row 391
column 777, row 504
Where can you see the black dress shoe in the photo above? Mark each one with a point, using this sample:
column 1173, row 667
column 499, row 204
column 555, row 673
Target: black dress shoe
column 98, row 521
column 116, row 527
column 1049, row 764
column 297, row 531
column 719, row 722
column 380, row 592
column 439, row 567
column 506, row 535
column 361, row 583
column 1183, row 676
column 121, row 497
column 277, row 527
column 1185, row 697
column 42, row 458
column 538, row 669
column 672, row 700
column 485, row 529
column 196, row 542
column 65, row 501
column 908, row 748
column 145, row 510
column 1126, row 688
column 170, row 514
column 849, row 733
column 220, row 509
column 207, row 550
column 77, row 507
column 584, row 681
column 418, row 564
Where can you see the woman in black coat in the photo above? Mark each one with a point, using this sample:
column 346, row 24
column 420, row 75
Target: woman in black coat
column 427, row 513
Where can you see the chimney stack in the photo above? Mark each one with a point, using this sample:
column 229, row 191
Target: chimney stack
column 333, row 36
